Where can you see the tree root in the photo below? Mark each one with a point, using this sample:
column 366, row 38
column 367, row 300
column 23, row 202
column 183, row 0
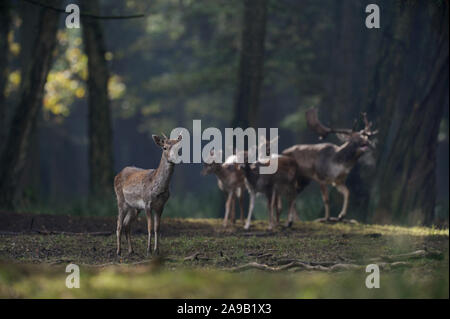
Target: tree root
column 195, row 256
column 300, row 266
column 259, row 254
column 297, row 266
column 413, row 255
column 384, row 262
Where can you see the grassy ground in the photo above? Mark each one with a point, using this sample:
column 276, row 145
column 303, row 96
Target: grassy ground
column 33, row 262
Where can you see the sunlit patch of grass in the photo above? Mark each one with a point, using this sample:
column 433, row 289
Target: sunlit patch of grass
column 150, row 282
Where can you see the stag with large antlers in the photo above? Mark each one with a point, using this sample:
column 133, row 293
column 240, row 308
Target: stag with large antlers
column 330, row 164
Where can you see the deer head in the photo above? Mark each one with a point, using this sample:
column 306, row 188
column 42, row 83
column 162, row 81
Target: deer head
column 169, row 147
column 264, row 144
column 211, row 164
column 359, row 139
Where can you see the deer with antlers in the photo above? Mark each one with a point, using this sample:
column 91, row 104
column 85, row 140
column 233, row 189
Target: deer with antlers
column 146, row 189
column 330, row 164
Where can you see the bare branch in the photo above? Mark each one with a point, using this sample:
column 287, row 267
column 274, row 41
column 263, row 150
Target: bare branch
column 84, row 14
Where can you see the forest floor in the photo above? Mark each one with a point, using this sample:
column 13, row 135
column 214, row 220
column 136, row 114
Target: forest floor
column 201, row 259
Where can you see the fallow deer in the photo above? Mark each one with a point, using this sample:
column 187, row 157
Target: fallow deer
column 330, row 164
column 264, row 145
column 285, row 182
column 230, row 180
column 146, row 189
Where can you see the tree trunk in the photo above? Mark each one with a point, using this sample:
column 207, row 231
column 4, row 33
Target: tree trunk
column 100, row 131
column 31, row 92
column 344, row 90
column 5, row 25
column 410, row 93
column 250, row 64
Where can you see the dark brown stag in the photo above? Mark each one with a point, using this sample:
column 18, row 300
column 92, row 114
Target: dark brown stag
column 330, row 164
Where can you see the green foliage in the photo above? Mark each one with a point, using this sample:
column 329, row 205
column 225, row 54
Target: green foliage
column 190, row 66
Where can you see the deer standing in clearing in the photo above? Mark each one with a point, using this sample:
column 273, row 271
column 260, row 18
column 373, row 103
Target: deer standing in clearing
column 330, row 164
column 146, row 189
column 285, row 182
column 231, row 181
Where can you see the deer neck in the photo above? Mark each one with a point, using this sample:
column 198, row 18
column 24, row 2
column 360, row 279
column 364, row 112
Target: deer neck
column 221, row 173
column 347, row 154
column 163, row 174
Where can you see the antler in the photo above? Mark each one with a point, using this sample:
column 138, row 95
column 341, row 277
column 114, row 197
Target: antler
column 314, row 124
column 367, row 126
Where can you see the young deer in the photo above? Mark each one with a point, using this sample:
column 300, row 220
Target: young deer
column 231, row 181
column 328, row 163
column 285, row 182
column 146, row 189
column 235, row 168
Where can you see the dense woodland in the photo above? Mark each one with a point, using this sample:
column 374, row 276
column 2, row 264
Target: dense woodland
column 77, row 105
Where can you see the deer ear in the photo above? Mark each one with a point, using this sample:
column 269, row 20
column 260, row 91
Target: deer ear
column 180, row 137
column 158, row 140
column 343, row 137
column 274, row 139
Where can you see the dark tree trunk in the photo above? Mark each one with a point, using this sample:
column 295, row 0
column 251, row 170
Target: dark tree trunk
column 410, row 92
column 251, row 64
column 345, row 88
column 100, row 131
column 31, row 92
column 5, row 25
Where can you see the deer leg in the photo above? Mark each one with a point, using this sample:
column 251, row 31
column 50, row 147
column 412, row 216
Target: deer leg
column 157, row 221
column 227, row 209
column 271, row 207
column 292, row 212
column 128, row 236
column 241, row 207
column 120, row 218
column 295, row 216
column 345, row 192
column 274, row 209
column 149, row 215
column 250, row 209
column 233, row 209
column 326, row 200
column 279, row 207
column 131, row 215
